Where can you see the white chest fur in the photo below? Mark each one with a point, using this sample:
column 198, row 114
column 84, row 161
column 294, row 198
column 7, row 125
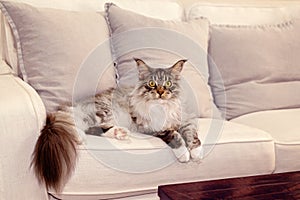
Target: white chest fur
column 156, row 115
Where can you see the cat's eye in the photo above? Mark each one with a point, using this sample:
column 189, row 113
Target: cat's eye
column 151, row 83
column 168, row 83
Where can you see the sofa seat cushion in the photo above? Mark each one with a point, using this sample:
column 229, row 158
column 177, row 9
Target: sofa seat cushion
column 283, row 126
column 109, row 168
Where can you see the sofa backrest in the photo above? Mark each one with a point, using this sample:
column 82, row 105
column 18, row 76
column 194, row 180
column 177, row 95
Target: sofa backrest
column 257, row 12
column 217, row 11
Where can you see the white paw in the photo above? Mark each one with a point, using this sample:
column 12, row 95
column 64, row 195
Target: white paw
column 81, row 136
column 196, row 153
column 119, row 133
column 182, row 154
column 185, row 157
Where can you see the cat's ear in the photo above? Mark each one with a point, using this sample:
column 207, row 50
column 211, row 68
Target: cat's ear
column 142, row 68
column 177, row 68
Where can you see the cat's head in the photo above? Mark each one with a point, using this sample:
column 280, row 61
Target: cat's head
column 159, row 83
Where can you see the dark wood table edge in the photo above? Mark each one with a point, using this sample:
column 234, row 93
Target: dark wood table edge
column 282, row 179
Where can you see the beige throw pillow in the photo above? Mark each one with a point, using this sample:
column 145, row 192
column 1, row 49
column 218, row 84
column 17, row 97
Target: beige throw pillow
column 160, row 44
column 51, row 46
column 257, row 66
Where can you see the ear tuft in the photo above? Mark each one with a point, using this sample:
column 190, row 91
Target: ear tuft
column 139, row 61
column 177, row 68
column 143, row 69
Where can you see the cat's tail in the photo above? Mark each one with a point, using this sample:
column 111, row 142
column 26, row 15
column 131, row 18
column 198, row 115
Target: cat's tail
column 55, row 152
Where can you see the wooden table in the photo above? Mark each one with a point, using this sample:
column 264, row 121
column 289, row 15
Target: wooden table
column 265, row 187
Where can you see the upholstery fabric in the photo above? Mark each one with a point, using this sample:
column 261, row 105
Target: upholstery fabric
column 161, row 43
column 255, row 68
column 283, row 126
column 22, row 115
column 241, row 13
column 5, row 69
column 7, row 49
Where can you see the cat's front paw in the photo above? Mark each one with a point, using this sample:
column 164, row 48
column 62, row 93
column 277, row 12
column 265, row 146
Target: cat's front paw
column 196, row 153
column 81, row 136
column 116, row 132
column 182, row 154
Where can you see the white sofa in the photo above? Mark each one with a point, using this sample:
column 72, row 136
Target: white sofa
column 261, row 142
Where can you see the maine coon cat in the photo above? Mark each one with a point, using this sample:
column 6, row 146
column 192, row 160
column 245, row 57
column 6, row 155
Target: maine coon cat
column 152, row 107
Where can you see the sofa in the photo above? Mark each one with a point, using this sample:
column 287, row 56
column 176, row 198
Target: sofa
column 242, row 74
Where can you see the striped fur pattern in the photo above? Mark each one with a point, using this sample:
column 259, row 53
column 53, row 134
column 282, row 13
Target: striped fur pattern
column 153, row 107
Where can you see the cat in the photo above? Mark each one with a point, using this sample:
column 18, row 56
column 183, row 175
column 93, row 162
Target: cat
column 152, row 107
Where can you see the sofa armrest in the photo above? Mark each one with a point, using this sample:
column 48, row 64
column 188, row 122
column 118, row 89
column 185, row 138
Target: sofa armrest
column 22, row 115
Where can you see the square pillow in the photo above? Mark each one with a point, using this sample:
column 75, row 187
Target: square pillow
column 52, row 49
column 161, row 43
column 255, row 68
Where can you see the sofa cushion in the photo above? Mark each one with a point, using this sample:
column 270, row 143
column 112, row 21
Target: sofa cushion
column 255, row 68
column 283, row 126
column 160, row 44
column 109, row 168
column 244, row 13
column 51, row 46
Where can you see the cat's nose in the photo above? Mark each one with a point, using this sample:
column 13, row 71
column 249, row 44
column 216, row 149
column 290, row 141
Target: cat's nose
column 160, row 90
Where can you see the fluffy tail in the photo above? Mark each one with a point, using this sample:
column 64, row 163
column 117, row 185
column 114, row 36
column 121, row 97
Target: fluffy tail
column 55, row 153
